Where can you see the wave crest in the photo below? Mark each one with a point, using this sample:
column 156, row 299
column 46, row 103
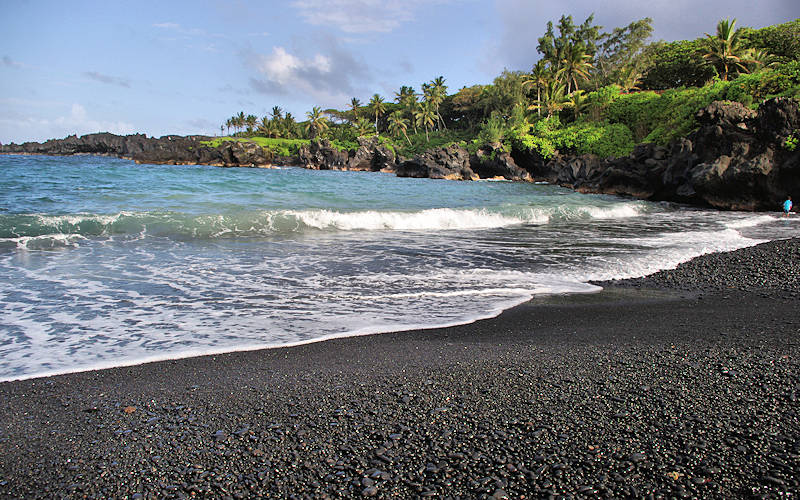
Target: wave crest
column 269, row 223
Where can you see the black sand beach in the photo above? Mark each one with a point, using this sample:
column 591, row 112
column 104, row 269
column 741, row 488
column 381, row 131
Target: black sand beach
column 683, row 384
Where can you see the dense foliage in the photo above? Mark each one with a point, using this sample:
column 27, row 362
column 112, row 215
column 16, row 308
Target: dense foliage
column 591, row 92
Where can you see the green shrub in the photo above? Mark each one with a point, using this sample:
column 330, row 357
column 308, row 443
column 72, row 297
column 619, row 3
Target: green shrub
column 343, row 145
column 783, row 81
column 493, row 130
column 675, row 64
column 602, row 139
column 791, row 142
column 678, row 109
column 783, row 40
column 438, row 139
column 597, row 102
column 639, row 111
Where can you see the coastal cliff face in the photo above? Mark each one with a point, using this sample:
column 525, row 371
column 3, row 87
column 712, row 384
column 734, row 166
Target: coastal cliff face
column 736, row 159
column 453, row 162
column 169, row 149
column 450, row 163
column 369, row 157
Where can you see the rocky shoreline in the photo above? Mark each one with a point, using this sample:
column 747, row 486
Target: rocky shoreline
column 680, row 385
column 169, row 149
column 735, row 160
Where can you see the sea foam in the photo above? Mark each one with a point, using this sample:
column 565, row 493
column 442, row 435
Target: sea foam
column 163, row 262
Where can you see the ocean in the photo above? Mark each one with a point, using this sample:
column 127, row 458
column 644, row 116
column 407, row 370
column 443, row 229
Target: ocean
column 106, row 263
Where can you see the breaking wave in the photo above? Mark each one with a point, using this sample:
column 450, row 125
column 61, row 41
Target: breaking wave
column 34, row 230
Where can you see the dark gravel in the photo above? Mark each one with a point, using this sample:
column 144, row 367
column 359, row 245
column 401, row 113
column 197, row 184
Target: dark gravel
column 682, row 385
column 767, row 268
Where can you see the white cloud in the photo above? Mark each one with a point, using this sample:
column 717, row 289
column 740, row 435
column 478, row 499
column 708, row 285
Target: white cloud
column 21, row 127
column 328, row 77
column 360, row 16
column 81, row 123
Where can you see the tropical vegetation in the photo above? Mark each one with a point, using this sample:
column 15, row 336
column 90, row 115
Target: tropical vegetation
column 588, row 91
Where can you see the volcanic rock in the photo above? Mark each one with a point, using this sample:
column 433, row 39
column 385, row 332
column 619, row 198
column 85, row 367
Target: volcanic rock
column 450, row 162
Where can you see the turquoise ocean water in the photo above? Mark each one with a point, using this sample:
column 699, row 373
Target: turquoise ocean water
column 106, row 263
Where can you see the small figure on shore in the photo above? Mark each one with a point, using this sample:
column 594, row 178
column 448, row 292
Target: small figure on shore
column 787, row 206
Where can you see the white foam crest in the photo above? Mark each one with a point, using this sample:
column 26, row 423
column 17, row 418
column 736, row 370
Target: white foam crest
column 75, row 219
column 443, row 218
column 750, row 222
column 544, row 215
column 621, row 211
column 45, row 241
column 668, row 251
column 432, row 219
column 460, row 293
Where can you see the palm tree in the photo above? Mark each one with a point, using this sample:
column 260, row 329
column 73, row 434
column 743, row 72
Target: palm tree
column 404, row 94
column 539, row 77
column 553, row 98
column 264, row 126
column 439, row 87
column 228, row 125
column 362, row 126
column 398, row 123
column 269, row 128
column 556, row 99
column 434, row 93
column 240, row 120
column 277, row 113
column 378, row 108
column 251, row 121
column 724, row 51
column 575, row 65
column 425, row 116
column 410, row 107
column 577, row 101
column 761, row 58
column 289, row 126
column 354, row 105
column 317, row 123
column 629, row 78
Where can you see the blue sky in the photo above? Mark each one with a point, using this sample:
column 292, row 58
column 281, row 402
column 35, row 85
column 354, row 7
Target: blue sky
column 185, row 67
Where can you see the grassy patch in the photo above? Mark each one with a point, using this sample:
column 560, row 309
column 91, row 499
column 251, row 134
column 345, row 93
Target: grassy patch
column 280, row 147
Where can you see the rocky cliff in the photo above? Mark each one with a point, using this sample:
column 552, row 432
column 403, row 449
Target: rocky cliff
column 453, row 162
column 735, row 160
column 370, row 156
column 169, row 149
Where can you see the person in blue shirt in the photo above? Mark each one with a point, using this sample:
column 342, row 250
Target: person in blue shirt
column 787, row 206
